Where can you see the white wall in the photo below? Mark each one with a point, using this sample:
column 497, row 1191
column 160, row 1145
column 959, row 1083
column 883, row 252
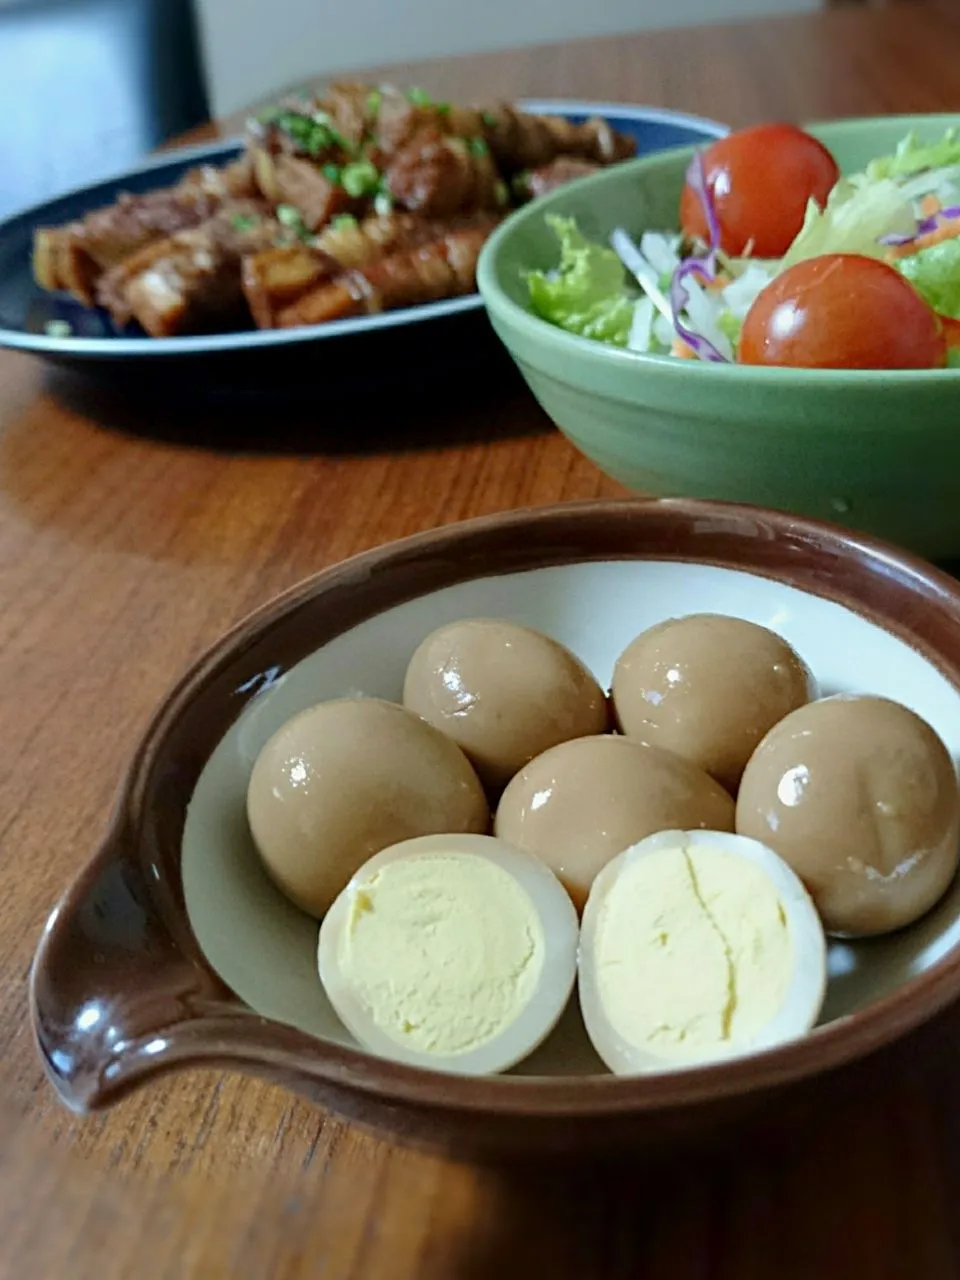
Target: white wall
column 254, row 47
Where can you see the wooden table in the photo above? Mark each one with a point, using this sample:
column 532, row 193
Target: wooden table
column 122, row 555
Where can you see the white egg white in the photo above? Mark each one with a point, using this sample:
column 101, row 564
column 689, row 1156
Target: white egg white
column 542, row 1011
column 803, row 998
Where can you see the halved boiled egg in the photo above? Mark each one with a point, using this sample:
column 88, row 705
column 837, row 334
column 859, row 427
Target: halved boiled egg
column 697, row 946
column 455, row 952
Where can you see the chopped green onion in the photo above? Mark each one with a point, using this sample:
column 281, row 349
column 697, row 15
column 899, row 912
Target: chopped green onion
column 325, row 120
column 373, row 102
column 289, row 216
column 383, row 204
column 502, row 193
column 310, row 134
column 332, row 172
column 489, row 119
column 58, row 328
column 478, row 147
column 419, row 97
column 342, row 221
column 244, row 221
column 443, row 108
column 360, row 179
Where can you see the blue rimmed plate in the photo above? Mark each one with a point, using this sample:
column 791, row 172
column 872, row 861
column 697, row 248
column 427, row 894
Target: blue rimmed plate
column 93, row 341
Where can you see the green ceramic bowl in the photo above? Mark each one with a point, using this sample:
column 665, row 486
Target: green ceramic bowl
column 879, row 451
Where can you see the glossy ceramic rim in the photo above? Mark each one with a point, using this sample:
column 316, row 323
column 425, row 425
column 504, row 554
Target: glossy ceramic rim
column 897, row 591
column 643, row 364
column 155, row 348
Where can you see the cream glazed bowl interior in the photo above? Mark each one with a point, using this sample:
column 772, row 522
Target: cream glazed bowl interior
column 224, row 969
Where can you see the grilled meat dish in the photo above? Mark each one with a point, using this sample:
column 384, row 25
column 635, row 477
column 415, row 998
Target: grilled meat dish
column 440, row 177
column 362, row 199
column 274, row 279
column 190, row 282
column 443, row 268
column 75, row 256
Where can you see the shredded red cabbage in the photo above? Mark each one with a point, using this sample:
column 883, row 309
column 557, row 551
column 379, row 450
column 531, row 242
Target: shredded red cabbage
column 924, row 226
column 697, row 179
column 703, row 267
column 679, row 297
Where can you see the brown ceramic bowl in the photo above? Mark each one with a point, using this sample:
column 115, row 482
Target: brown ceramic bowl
column 172, row 949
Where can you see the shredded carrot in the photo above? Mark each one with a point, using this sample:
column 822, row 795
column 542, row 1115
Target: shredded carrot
column 682, row 349
column 930, row 205
column 948, row 230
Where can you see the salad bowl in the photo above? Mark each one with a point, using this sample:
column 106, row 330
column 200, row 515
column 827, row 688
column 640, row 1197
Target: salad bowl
column 876, row 450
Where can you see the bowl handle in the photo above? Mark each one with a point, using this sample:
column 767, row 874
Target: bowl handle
column 118, row 991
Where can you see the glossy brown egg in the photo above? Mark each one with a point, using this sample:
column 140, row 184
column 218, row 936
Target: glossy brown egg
column 708, row 687
column 345, row 779
column 503, row 693
column 859, row 796
column 581, row 803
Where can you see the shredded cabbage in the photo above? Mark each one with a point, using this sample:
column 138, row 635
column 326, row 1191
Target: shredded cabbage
column 641, row 337
column 695, row 315
column 739, row 295
column 943, row 183
column 661, row 252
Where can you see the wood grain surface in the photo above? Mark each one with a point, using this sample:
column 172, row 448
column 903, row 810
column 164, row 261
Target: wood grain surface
column 131, row 535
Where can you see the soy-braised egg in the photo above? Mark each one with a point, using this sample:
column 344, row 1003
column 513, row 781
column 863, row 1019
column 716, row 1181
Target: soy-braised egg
column 708, row 687
column 579, row 804
column 455, row 952
column 860, row 796
column 504, row 693
column 697, row 946
column 345, row 779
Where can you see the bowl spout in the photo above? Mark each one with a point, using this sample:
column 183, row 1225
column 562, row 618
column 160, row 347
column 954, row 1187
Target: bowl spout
column 113, row 988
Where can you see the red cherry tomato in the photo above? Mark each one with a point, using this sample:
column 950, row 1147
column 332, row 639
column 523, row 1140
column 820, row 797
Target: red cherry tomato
column 760, row 180
column 842, row 311
column 951, row 332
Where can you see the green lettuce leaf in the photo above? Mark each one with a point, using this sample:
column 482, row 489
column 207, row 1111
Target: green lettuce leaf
column 935, row 274
column 586, row 294
column 914, row 156
column 857, row 213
